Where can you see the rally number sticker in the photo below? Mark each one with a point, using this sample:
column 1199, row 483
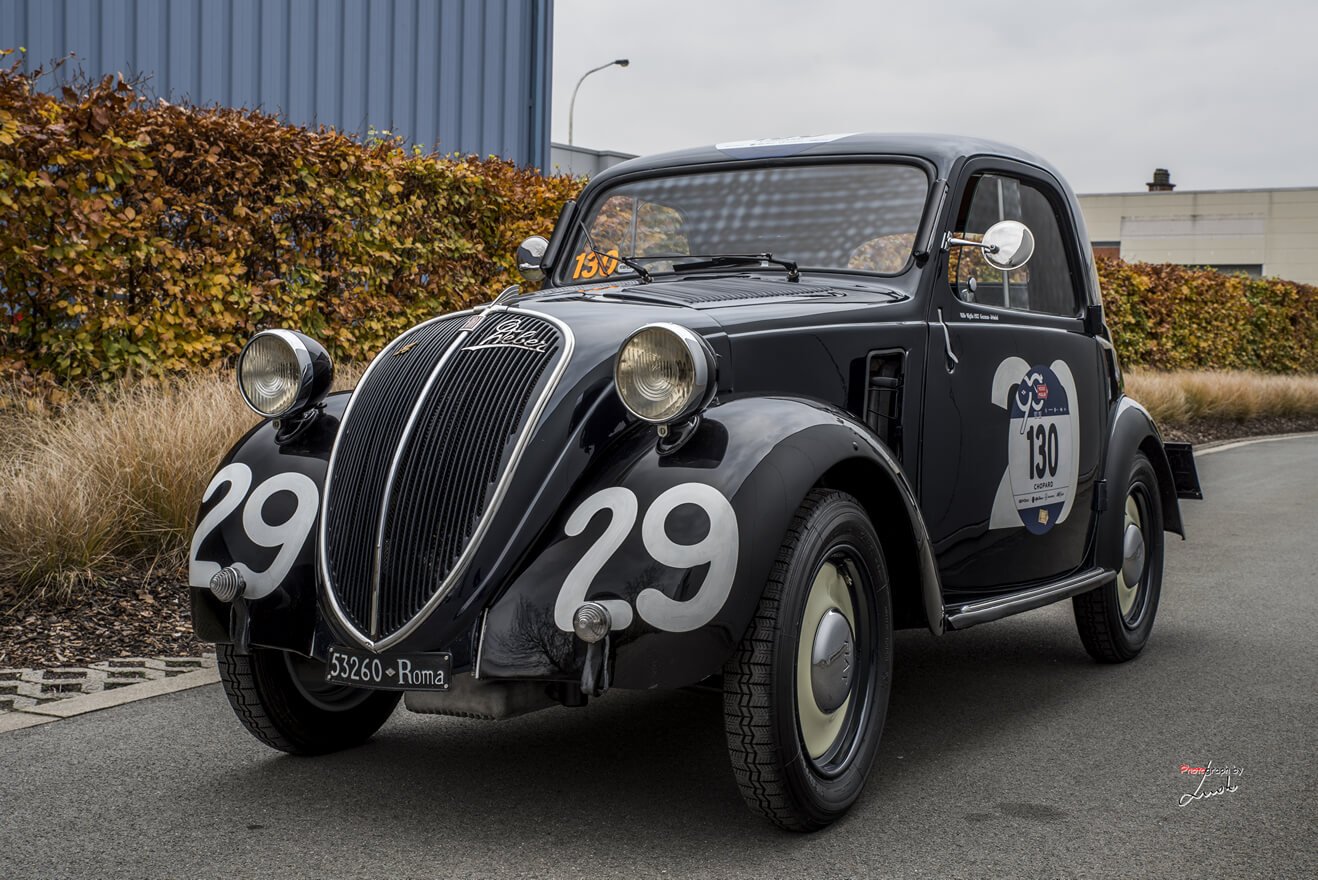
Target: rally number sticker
column 289, row 536
column 718, row 549
column 591, row 265
column 1043, row 440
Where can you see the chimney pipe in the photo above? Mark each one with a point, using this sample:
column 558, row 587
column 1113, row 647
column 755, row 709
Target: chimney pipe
column 1162, row 181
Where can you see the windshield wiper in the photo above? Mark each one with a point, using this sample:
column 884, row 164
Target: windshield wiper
column 590, row 243
column 716, row 261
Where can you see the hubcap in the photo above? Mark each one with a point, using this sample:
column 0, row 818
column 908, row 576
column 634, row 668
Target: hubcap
column 830, row 661
column 1132, row 562
column 823, row 690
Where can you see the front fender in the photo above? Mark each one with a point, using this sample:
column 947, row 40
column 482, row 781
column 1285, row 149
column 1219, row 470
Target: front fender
column 258, row 515
column 679, row 546
column 1133, row 430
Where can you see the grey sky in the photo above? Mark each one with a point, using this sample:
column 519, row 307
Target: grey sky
column 1222, row 92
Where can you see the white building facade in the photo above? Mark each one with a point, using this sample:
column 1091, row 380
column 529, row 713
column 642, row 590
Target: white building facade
column 1260, row 232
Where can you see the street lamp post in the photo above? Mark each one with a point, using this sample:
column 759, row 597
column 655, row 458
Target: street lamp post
column 572, row 108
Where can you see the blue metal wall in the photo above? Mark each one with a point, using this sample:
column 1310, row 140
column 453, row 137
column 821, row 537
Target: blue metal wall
column 458, row 76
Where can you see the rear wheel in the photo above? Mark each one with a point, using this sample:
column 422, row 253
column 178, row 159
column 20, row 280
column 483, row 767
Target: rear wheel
column 283, row 700
column 806, row 693
column 1115, row 620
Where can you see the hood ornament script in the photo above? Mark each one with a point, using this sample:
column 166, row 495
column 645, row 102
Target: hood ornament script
column 513, row 334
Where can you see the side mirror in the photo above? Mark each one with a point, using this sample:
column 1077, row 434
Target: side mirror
column 529, row 255
column 1008, row 244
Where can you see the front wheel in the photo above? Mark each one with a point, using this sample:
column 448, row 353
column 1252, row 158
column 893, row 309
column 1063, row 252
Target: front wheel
column 806, row 693
column 1115, row 620
column 283, row 700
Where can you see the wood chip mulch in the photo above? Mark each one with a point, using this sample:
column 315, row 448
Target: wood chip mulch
column 122, row 617
column 1206, row 430
column 150, row 617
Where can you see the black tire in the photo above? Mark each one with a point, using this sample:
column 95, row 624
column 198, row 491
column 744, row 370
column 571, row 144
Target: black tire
column 798, row 764
column 283, row 700
column 1115, row 620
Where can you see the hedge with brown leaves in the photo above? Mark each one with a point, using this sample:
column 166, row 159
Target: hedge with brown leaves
column 141, row 238
column 1178, row 318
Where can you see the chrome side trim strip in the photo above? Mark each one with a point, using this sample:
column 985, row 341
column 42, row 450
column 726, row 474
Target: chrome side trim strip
column 1037, row 597
column 322, row 562
column 412, row 418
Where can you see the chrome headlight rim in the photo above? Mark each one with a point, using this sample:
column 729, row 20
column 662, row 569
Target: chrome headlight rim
column 704, row 369
column 315, row 371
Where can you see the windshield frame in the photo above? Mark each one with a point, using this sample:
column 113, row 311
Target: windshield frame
column 596, row 193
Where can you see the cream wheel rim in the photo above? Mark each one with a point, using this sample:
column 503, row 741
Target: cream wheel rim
column 830, row 595
column 1132, row 566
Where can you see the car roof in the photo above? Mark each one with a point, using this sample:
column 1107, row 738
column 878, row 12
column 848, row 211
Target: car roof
column 941, row 150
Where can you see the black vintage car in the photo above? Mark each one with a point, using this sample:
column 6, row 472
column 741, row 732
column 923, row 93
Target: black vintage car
column 776, row 399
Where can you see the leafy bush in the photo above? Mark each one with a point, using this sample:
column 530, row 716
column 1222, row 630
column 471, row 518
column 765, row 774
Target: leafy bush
column 143, row 238
column 1176, row 318
column 153, row 238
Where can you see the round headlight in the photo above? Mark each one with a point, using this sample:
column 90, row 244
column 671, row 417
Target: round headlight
column 282, row 372
column 664, row 373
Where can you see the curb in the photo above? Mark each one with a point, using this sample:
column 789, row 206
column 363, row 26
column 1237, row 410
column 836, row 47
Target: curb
column 1224, row 445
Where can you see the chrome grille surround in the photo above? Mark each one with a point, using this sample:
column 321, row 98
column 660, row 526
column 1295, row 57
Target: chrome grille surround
column 363, row 632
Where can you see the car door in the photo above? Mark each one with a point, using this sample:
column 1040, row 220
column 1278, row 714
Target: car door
column 1015, row 393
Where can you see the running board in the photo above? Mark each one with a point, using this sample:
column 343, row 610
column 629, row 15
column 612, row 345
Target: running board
column 963, row 616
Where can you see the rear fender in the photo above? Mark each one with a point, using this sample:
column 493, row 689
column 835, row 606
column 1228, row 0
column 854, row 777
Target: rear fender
column 1133, row 431
column 678, row 547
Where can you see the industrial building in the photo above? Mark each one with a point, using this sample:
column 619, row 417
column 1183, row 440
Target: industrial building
column 453, row 76
column 1260, row 232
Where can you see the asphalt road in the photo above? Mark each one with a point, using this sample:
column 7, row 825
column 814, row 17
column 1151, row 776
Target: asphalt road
column 1007, row 753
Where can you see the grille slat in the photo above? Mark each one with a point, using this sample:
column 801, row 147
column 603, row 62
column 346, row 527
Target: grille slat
column 447, row 469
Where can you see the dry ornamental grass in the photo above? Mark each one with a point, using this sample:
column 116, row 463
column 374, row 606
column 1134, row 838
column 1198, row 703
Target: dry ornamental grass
column 1181, row 398
column 108, row 484
column 109, row 481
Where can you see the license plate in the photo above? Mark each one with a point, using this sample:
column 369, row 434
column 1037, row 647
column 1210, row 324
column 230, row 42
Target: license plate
column 395, row 672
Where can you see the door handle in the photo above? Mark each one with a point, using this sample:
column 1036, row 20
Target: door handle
column 952, row 359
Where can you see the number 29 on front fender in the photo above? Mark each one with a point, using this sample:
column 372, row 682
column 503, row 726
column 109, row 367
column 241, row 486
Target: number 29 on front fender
column 718, row 550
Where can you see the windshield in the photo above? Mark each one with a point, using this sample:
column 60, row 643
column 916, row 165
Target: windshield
column 857, row 217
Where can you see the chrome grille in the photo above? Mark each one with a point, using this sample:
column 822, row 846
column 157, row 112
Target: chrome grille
column 366, row 445
column 445, row 470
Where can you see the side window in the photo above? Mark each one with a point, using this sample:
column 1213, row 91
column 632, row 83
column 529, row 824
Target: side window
column 1042, row 285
